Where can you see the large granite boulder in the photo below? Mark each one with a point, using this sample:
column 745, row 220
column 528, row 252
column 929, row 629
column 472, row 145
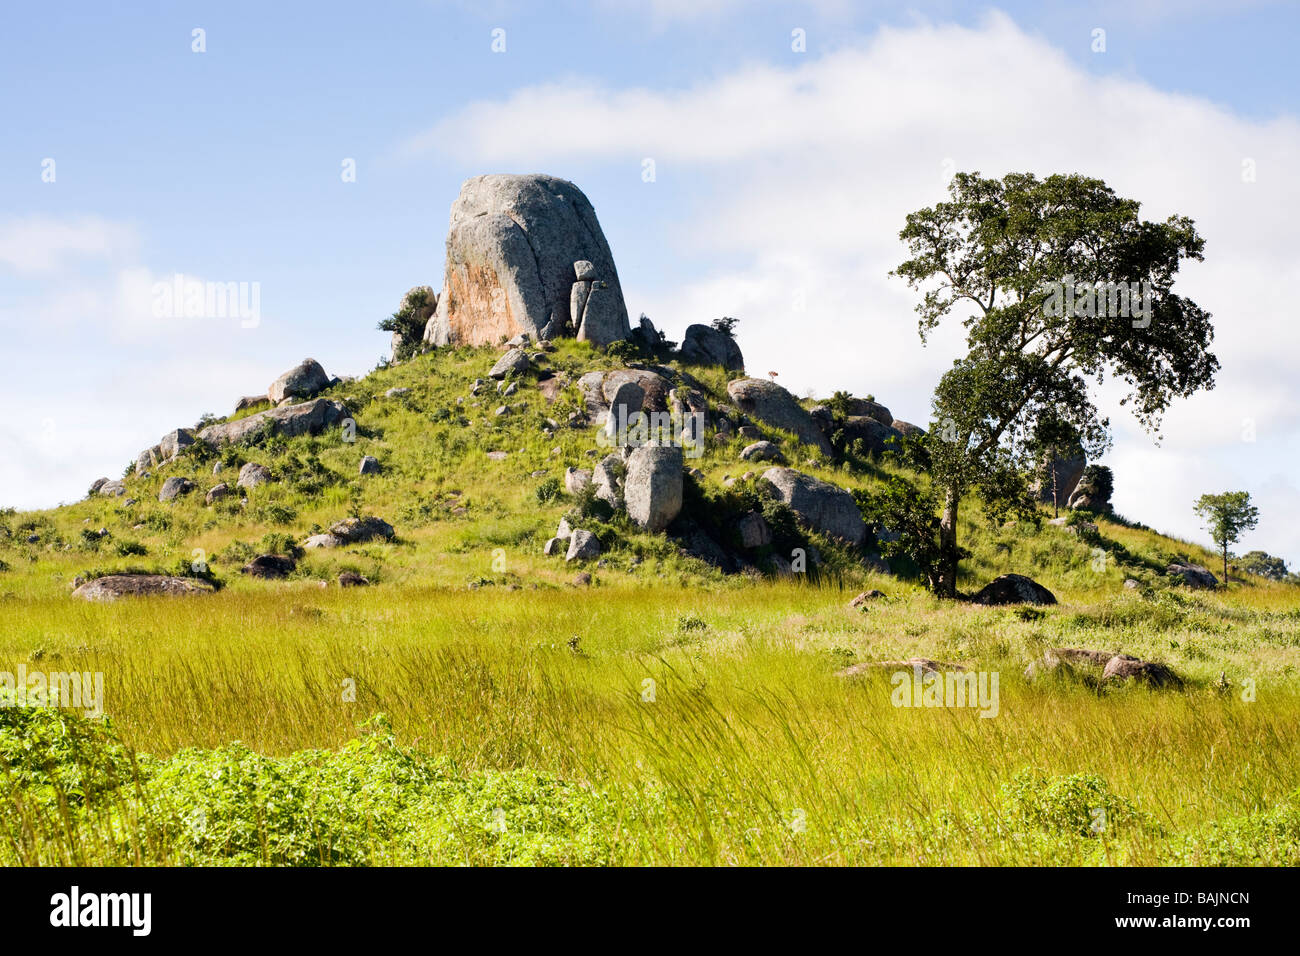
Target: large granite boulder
column 305, row 380
column 168, row 447
column 819, row 504
column 772, row 404
column 865, row 407
column 516, row 246
column 309, row 418
column 876, row 437
column 174, row 487
column 705, row 345
column 652, row 486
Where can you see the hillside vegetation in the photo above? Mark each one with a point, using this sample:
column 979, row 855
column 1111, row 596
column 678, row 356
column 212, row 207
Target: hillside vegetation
column 480, row 702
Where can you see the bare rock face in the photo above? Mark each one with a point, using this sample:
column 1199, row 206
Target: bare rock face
column 1192, row 575
column 1060, row 476
column 516, row 248
column 114, row 586
column 772, row 404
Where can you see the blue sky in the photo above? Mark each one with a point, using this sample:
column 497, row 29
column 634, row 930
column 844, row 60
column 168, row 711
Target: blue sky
column 780, row 175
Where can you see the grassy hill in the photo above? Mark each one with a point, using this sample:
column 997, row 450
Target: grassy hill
column 479, row 703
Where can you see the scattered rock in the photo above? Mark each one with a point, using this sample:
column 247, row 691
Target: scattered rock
column 705, row 345
column 174, row 487
column 761, row 451
column 865, row 598
column 351, row 579
column 357, row 530
column 583, row 546
column 113, row 489
column 1124, row 667
column 114, row 586
column 1059, row 477
column 305, row 380
column 250, row 401
column 294, row 420
column 772, row 404
column 1014, row 589
column 516, row 361
column 555, row 546
column 216, row 493
column 323, row 541
column 575, row 479
column 1192, row 575
column 652, row 487
column 582, row 579
column 753, row 530
column 270, row 566
column 370, row 465
column 252, row 475
column 820, row 505
column 397, row 392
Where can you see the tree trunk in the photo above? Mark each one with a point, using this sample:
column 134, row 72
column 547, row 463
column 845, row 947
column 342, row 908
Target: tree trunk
column 1225, row 564
column 948, row 547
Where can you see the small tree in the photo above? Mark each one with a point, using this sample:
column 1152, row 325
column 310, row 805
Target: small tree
column 1001, row 248
column 1227, row 517
column 726, row 325
column 409, row 325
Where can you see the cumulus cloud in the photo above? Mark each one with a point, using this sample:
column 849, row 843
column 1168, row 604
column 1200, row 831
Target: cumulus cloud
column 801, row 176
column 41, row 244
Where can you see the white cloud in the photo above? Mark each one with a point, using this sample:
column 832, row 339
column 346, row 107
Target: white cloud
column 801, row 177
column 41, row 244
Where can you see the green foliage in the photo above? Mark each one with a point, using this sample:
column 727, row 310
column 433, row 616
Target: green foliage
column 995, row 247
column 726, row 325
column 1263, row 564
column 906, row 523
column 1227, row 517
column 408, row 323
column 1076, row 804
column 548, row 490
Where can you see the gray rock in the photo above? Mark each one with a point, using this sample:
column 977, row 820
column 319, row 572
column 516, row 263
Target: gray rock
column 753, row 530
column 555, row 546
column 705, row 345
column 216, row 493
column 516, row 361
column 1124, row 667
column 866, row 597
column 761, row 451
column 604, row 318
column 114, row 586
column 323, row 541
column 652, row 487
column 397, row 392
column 772, row 404
column 174, row 487
column 1013, row 589
column 305, row 380
column 370, row 465
column 575, row 479
column 582, row 269
column 270, row 566
column 351, row 579
column 358, row 530
column 113, row 489
column 876, row 438
column 578, row 295
column 309, row 418
column 819, row 504
column 252, row 475
column 906, row 428
column 866, row 408
column 250, row 401
column 624, row 405
column 1192, row 575
column 583, row 546
column 98, row 483
column 564, row 531
column 511, row 249
column 607, row 477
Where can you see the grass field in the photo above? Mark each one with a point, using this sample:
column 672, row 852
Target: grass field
column 476, row 706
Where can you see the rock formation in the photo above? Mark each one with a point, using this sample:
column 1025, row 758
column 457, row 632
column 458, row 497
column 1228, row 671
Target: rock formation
column 523, row 253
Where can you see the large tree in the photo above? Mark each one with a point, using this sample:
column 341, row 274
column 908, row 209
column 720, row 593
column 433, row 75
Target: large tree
column 1227, row 517
column 1039, row 265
